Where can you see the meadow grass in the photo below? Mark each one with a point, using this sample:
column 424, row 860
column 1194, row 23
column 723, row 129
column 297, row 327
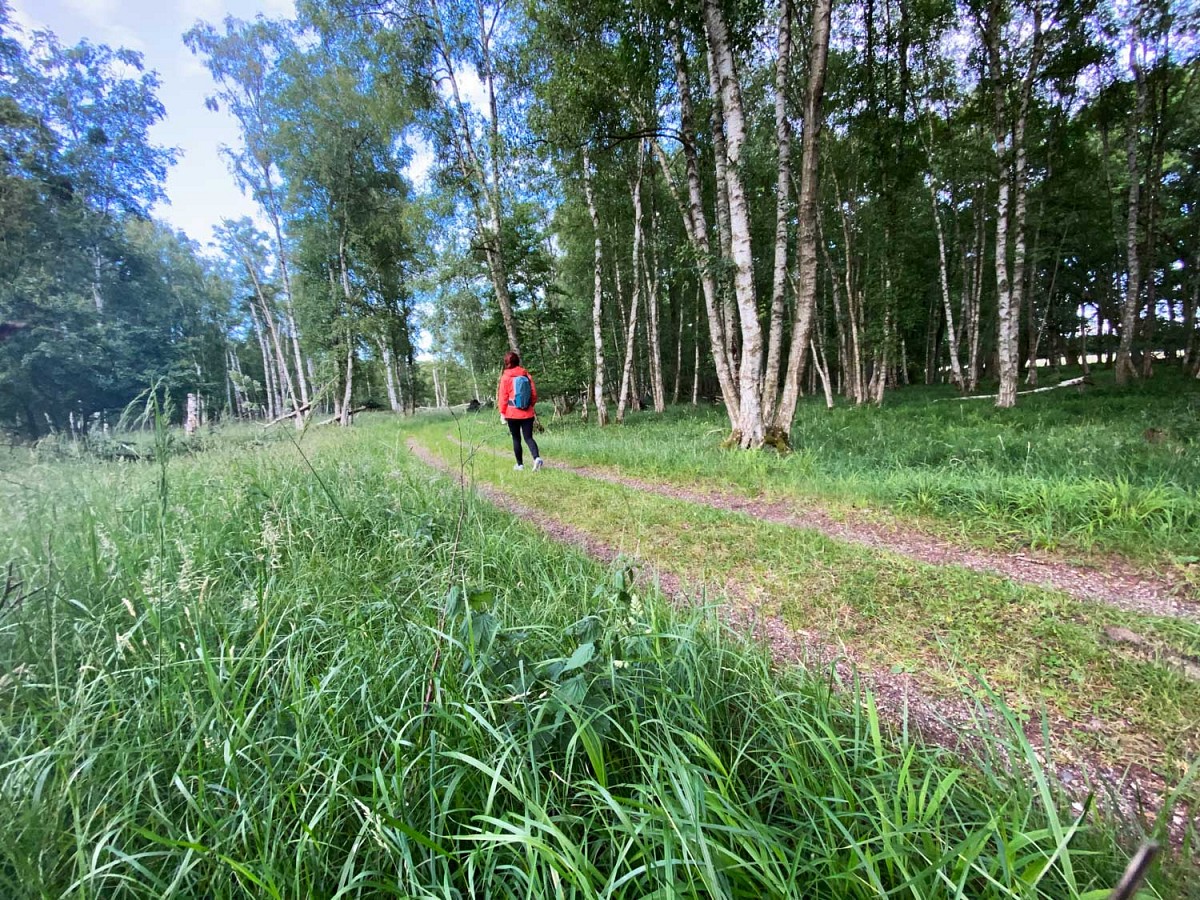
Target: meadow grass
column 1112, row 469
column 262, row 674
column 1040, row 649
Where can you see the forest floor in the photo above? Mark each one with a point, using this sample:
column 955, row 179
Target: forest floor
column 932, row 626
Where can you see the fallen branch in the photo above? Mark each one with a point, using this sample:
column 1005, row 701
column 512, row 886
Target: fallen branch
column 301, row 410
column 337, row 418
column 291, row 414
column 1070, row 382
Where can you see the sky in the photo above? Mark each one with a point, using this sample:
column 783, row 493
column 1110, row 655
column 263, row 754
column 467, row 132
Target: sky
column 199, row 185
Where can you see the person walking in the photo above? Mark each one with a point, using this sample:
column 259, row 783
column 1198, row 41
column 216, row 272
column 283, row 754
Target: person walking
column 515, row 398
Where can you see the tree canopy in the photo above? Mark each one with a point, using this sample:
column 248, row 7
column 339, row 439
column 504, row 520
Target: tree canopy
column 654, row 203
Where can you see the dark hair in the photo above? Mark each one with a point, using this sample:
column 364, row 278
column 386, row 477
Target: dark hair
column 511, row 360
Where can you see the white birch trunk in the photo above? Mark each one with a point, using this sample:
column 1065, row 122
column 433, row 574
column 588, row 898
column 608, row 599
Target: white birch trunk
column 192, row 422
column 280, row 358
column 783, row 194
column 631, row 330
column 271, row 405
column 654, row 346
column 344, row 420
column 678, row 358
column 696, row 375
column 1007, row 316
column 751, row 429
column 806, row 239
column 729, row 311
column 956, row 373
column 488, row 217
column 275, row 216
column 975, row 298
column 1010, row 151
column 597, row 296
column 822, row 368
column 1125, row 371
column 389, row 374
column 696, row 226
column 1020, row 187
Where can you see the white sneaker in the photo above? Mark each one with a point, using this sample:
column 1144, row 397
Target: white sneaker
column 537, row 463
column 519, row 468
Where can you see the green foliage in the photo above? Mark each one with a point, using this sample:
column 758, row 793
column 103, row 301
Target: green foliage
column 110, row 301
column 252, row 677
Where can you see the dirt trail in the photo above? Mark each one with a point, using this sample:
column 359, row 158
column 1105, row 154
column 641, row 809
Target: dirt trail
column 1117, row 584
column 956, row 725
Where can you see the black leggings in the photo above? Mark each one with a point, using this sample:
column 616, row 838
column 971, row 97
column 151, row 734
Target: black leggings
column 518, row 427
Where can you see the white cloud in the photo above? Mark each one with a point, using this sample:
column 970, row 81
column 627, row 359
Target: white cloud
column 24, row 20
column 279, row 9
column 208, row 10
column 190, row 66
column 97, row 12
column 99, row 22
column 472, row 91
column 422, row 161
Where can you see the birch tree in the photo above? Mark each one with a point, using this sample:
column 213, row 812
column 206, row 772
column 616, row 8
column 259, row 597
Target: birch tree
column 750, row 429
column 808, row 228
column 597, row 295
column 243, row 62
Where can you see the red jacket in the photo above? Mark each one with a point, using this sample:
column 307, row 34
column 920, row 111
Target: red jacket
column 504, row 394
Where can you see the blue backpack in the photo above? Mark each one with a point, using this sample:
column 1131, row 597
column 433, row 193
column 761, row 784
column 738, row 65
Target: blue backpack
column 522, row 392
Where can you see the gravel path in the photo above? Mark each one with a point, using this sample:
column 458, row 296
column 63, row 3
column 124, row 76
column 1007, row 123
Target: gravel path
column 1116, row 584
column 955, row 725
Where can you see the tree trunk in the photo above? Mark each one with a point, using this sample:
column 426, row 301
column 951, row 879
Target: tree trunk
column 631, row 331
column 273, row 410
column 1191, row 304
column 956, row 373
column 1020, row 186
column 729, row 311
column 344, row 421
column 806, row 239
column 854, row 366
column 1007, row 315
column 192, row 422
column 678, row 356
column 1153, row 184
column 1129, row 308
column 275, row 216
column 696, row 225
column 973, row 296
column 389, row 374
column 488, row 212
column 783, row 194
column 750, row 430
column 280, row 358
column 822, row 368
column 597, row 295
column 653, row 343
column 839, row 323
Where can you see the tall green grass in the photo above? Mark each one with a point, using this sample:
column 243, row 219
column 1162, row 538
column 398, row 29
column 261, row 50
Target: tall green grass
column 1062, row 469
column 267, row 676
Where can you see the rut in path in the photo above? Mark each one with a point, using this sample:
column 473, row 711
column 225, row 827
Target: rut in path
column 1117, row 584
column 954, row 724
